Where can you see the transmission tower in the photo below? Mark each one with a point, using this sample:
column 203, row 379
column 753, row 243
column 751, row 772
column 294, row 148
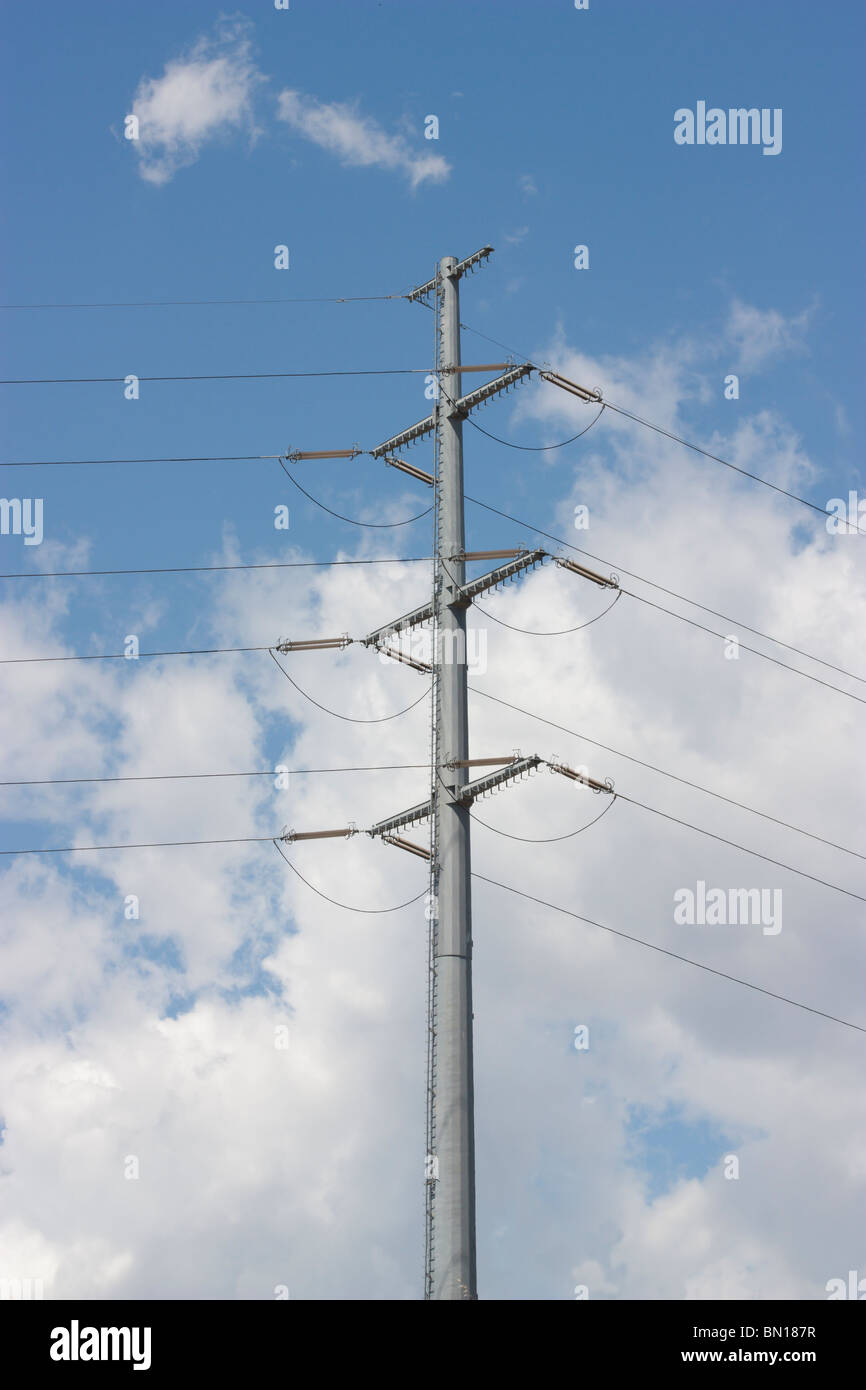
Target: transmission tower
column 450, row 1259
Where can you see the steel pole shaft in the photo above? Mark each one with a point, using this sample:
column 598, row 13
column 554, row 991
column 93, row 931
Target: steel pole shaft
column 453, row 1225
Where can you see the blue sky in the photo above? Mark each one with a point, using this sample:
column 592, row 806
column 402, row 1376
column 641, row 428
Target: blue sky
column 582, row 102
column 555, row 129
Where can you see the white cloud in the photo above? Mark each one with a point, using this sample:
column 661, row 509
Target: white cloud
column 840, row 416
column 305, row 1167
column 206, row 94
column 527, row 185
column 209, row 93
column 358, row 140
column 759, row 336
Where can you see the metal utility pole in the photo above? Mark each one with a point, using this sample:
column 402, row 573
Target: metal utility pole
column 451, row 1119
column 450, row 1163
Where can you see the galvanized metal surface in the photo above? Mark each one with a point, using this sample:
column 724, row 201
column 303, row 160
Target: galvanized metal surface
column 452, row 1191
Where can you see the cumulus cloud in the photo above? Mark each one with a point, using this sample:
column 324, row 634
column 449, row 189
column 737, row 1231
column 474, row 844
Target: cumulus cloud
column 357, row 140
column 206, row 94
column 303, row 1166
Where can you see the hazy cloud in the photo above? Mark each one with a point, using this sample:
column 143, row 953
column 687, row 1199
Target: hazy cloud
column 358, row 140
column 759, row 335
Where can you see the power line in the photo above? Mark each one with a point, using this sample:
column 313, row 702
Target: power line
column 696, row 448
column 371, row 525
column 495, row 341
column 450, row 1200
column 206, row 569
column 154, row 844
column 521, row 521
column 194, row 458
column 744, row 848
column 372, row 911
column 347, row 718
column 537, row 448
column 176, row 303
column 677, row 438
column 477, row 501
column 121, row 656
column 806, row 675
column 562, row 632
column 639, row 941
column 306, row 564
column 651, row 767
column 414, row 766
column 202, row 458
column 620, row 796
column 547, row 839
column 574, row 733
column 260, row 839
column 221, row 376
column 554, row 907
column 219, row 458
column 692, row 623
column 194, row 776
